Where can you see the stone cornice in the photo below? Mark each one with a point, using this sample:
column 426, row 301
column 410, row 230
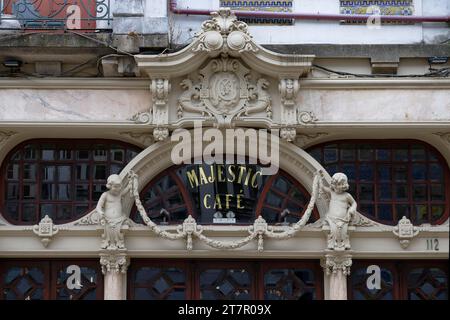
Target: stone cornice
column 144, row 83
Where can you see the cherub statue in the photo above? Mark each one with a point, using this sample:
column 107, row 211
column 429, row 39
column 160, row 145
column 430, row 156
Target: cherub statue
column 342, row 208
column 109, row 207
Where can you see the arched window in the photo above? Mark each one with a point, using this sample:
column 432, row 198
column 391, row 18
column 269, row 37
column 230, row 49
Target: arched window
column 391, row 179
column 59, row 178
column 223, row 194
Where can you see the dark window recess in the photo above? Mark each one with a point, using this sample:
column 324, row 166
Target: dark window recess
column 225, row 280
column 51, row 279
column 406, row 280
column 391, row 179
column 208, row 192
column 59, row 178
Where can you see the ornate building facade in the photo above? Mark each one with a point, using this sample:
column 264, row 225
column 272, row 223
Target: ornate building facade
column 92, row 205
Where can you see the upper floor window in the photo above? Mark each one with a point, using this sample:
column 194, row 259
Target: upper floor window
column 223, row 194
column 93, row 15
column 59, row 178
column 391, row 179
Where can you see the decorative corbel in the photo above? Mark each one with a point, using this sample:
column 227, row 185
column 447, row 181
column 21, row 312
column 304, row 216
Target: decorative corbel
column 46, row 230
column 160, row 89
column 405, row 231
column 288, row 134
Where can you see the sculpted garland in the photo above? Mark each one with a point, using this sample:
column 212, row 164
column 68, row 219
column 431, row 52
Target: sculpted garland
column 341, row 210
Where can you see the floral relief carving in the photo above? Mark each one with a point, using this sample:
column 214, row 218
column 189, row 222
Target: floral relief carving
column 224, row 91
column 337, row 262
column 46, row 230
column 114, row 262
column 224, row 33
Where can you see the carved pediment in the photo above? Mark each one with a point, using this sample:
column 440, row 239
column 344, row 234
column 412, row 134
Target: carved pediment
column 224, row 75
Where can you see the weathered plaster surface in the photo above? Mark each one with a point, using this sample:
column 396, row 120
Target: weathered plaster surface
column 71, row 105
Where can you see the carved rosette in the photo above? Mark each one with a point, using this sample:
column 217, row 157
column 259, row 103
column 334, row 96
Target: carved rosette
column 114, row 262
column 337, row 262
column 160, row 133
column 224, row 33
column 288, row 134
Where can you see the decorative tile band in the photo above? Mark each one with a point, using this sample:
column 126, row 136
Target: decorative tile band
column 261, row 5
column 381, row 7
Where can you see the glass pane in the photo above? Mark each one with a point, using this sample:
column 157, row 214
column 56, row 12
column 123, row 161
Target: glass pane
column 65, row 154
column 29, row 191
column 29, row 213
column 350, row 170
column 47, row 210
column 64, row 212
column 366, row 172
column 420, row 192
column 365, row 153
column 13, row 171
column 419, row 171
column 418, row 153
column 117, row 153
column 100, row 172
column 29, row 171
column 97, row 191
column 115, row 169
column 401, row 192
column 30, row 152
column 384, row 172
column 225, row 284
column 289, row 284
column 348, row 152
column 385, row 212
column 64, row 173
column 384, row 192
column 402, row 210
column 437, row 192
column 384, row 154
column 400, row 173
column 401, row 153
column 282, row 184
column 82, row 192
column 131, row 154
column 48, row 152
column 64, row 192
column 437, row 211
column 48, row 191
column 12, row 210
column 82, row 172
column 100, row 153
column 48, row 173
column 366, row 192
column 83, row 154
column 81, row 209
column 421, row 213
column 12, row 191
column 436, row 172
column 316, row 154
column 330, row 154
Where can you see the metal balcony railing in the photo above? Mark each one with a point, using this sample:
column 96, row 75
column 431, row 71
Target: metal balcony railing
column 84, row 15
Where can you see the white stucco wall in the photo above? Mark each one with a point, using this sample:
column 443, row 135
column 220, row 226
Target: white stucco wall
column 324, row 31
